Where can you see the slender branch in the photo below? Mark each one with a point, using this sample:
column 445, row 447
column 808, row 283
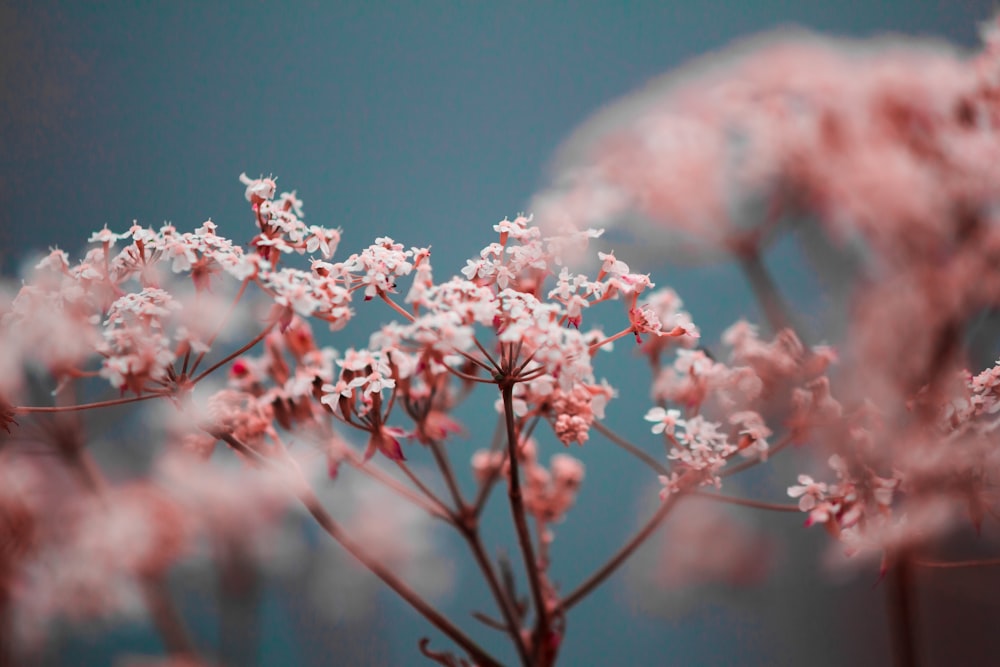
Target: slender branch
column 775, row 308
column 393, row 484
column 241, row 447
column 487, row 485
column 327, row 522
column 901, row 609
column 486, row 353
column 449, row 476
column 215, row 334
column 438, row 620
column 8, row 655
column 25, row 409
column 630, row 448
column 238, row 592
column 466, row 376
column 91, row 472
column 747, row 502
column 524, row 364
column 471, row 535
column 956, row 564
column 766, row 291
column 395, row 306
column 375, row 473
column 520, row 521
column 489, row 622
column 466, row 355
column 746, row 465
column 431, row 496
column 626, row 550
column 229, row 357
column 502, row 599
column 168, row 622
column 533, row 375
column 610, row 339
column 471, row 359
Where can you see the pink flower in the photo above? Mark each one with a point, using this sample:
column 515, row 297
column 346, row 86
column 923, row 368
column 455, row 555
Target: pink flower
column 664, row 421
column 107, row 237
column 259, row 189
column 486, row 464
column 753, row 433
column 809, row 492
column 385, row 439
column 574, row 412
column 436, row 426
column 611, row 266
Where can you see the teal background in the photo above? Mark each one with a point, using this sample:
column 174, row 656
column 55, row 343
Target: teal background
column 428, row 122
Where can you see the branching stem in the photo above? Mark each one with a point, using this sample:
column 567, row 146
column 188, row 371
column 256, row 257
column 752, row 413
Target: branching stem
column 520, row 520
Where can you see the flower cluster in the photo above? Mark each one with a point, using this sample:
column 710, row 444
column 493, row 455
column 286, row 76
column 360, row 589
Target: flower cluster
column 883, row 144
column 890, row 157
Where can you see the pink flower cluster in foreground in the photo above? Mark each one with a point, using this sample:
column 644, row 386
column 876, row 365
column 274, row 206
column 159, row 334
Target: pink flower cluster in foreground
column 888, row 157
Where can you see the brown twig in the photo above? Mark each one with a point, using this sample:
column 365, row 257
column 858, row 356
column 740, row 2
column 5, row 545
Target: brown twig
column 957, row 564
column 229, row 357
column 627, row 549
column 438, row 620
column 901, row 609
column 630, row 448
column 520, row 520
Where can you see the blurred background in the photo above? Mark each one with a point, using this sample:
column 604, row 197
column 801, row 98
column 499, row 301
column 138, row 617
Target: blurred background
column 427, row 122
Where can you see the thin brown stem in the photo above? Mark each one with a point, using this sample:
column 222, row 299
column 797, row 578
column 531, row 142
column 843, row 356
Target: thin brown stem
column 533, row 375
column 168, row 622
column 748, row 502
column 610, row 339
column 901, row 609
column 473, row 360
column 395, row 306
column 438, row 620
column 765, row 290
column 524, row 364
column 241, row 447
column 428, row 493
column 503, row 601
column 489, row 622
column 25, row 409
column 91, row 472
column 520, row 520
column 229, row 357
column 393, row 484
column 630, row 448
column 957, row 564
column 487, row 485
column 746, row 465
column 377, row 474
column 441, row 458
column 486, row 353
column 466, row 376
column 627, row 549
column 222, row 324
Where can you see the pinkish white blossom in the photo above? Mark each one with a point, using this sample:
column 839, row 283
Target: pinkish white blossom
column 700, row 445
column 258, row 189
column 664, row 421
